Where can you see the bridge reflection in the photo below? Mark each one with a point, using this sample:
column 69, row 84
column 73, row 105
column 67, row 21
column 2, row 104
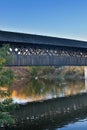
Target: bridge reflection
column 58, row 112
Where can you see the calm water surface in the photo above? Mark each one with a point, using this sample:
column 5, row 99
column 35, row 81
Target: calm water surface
column 80, row 125
column 34, row 90
column 37, row 90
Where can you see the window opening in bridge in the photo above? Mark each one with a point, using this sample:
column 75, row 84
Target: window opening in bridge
column 10, row 49
column 49, row 51
column 16, row 49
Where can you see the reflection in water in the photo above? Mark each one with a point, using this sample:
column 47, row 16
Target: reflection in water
column 80, row 125
column 38, row 89
column 61, row 112
column 58, row 113
column 64, row 113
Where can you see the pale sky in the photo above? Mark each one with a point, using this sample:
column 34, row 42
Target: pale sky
column 60, row 18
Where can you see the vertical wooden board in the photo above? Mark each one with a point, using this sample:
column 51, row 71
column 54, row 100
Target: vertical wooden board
column 39, row 60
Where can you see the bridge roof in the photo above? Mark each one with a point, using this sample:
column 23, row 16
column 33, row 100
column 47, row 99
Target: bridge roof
column 23, row 38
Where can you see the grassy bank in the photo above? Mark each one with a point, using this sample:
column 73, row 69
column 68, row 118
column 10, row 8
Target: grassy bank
column 50, row 73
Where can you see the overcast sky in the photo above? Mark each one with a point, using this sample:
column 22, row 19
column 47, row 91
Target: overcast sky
column 61, row 18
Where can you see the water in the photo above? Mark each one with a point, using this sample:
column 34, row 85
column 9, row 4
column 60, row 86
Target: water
column 79, row 125
column 35, row 90
column 39, row 90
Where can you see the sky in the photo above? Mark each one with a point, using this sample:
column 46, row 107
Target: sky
column 59, row 18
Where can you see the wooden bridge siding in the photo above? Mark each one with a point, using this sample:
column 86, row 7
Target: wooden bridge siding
column 22, row 41
column 32, row 60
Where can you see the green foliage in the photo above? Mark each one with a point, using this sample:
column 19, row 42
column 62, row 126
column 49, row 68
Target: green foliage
column 5, row 118
column 4, row 55
column 4, row 105
column 41, row 70
column 6, row 78
column 73, row 73
column 61, row 73
column 34, row 71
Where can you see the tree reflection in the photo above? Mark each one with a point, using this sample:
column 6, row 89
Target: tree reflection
column 40, row 89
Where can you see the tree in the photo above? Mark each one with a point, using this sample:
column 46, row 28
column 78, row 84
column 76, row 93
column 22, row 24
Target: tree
column 6, row 78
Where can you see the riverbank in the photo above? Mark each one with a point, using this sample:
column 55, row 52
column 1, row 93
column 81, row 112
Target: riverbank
column 51, row 73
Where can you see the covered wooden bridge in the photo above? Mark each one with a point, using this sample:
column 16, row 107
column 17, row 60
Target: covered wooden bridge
column 37, row 50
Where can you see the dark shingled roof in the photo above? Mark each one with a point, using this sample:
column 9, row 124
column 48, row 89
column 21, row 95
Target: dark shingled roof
column 15, row 37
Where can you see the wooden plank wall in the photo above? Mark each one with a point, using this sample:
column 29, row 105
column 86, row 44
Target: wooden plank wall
column 38, row 60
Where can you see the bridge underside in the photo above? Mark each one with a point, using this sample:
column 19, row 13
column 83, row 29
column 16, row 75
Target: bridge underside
column 47, row 55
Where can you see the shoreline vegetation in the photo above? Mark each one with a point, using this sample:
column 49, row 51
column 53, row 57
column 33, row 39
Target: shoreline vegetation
column 6, row 79
column 49, row 73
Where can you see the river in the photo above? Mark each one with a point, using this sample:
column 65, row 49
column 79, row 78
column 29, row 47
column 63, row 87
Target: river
column 37, row 90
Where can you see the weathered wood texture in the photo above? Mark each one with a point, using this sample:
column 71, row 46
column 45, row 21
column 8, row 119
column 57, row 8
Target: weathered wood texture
column 37, row 50
column 36, row 60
